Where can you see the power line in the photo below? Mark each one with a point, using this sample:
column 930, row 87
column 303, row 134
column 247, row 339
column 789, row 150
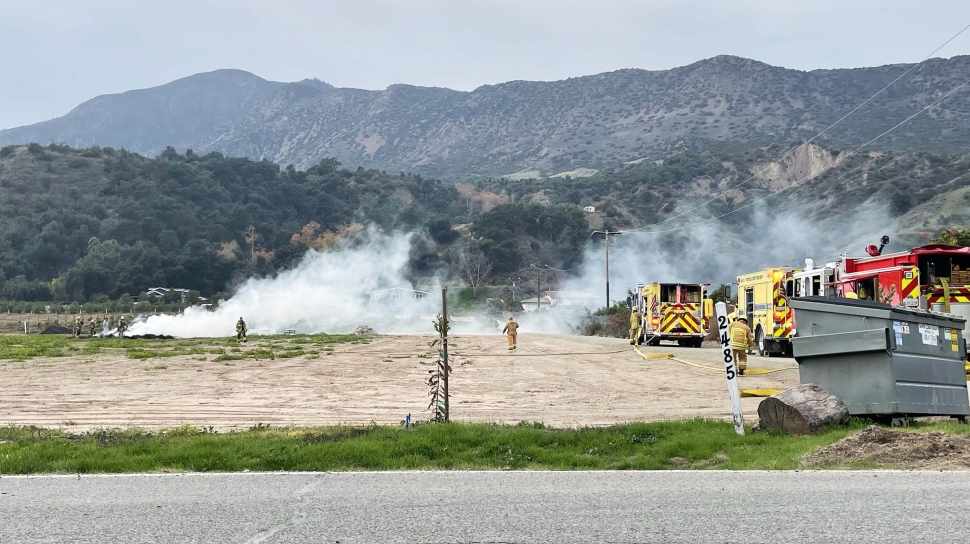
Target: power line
column 588, row 238
column 813, row 138
column 814, row 174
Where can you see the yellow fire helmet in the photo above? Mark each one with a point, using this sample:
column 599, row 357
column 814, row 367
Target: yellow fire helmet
column 851, row 295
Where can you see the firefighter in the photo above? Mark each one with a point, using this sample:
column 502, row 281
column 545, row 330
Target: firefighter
column 122, row 326
column 78, row 325
column 241, row 330
column 511, row 327
column 636, row 327
column 741, row 342
column 92, row 326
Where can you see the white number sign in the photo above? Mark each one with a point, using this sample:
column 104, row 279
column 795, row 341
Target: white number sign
column 730, row 368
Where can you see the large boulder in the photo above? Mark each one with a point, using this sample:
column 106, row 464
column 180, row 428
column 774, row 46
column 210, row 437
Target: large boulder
column 804, row 409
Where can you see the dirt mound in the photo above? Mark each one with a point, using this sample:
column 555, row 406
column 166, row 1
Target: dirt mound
column 56, row 329
column 896, row 449
column 364, row 329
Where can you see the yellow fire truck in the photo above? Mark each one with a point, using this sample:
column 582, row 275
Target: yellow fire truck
column 673, row 311
column 763, row 299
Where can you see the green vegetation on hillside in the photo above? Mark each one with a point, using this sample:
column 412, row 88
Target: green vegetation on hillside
column 555, row 230
column 650, row 191
column 92, row 224
column 106, row 222
column 89, row 225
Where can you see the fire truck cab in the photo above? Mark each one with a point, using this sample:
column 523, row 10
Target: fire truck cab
column 673, row 311
column 816, row 282
column 763, row 300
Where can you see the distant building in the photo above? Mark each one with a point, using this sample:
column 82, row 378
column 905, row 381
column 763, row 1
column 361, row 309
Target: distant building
column 531, row 304
column 160, row 292
column 572, row 298
column 589, row 209
column 395, row 294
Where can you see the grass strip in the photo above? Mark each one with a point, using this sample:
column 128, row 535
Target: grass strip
column 22, row 347
column 687, row 444
column 18, row 347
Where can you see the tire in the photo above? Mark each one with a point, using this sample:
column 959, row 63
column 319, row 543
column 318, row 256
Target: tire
column 698, row 342
column 759, row 340
column 653, row 342
column 682, row 343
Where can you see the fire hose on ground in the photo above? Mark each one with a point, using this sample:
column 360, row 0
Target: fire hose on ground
column 744, row 392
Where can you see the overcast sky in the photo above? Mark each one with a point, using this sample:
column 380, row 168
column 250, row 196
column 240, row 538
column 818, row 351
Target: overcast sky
column 56, row 54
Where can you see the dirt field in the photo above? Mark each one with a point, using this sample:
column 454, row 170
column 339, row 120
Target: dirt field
column 559, row 380
column 887, row 448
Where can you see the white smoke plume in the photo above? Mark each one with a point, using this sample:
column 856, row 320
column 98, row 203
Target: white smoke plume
column 715, row 253
column 326, row 292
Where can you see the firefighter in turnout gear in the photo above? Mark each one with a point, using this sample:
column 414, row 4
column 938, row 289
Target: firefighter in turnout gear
column 636, row 327
column 78, row 325
column 92, row 326
column 241, row 330
column 511, row 327
column 122, row 326
column 741, row 342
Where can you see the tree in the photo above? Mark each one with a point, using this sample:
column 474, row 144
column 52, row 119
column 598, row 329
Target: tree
column 228, row 251
column 252, row 238
column 192, row 298
column 327, row 166
column 474, row 266
column 954, row 237
column 441, row 231
column 718, row 295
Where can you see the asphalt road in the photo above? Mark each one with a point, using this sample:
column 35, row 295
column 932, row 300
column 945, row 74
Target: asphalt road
column 555, row 507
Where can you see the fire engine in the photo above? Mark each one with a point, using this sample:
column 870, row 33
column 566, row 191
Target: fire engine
column 673, row 311
column 934, row 277
column 763, row 298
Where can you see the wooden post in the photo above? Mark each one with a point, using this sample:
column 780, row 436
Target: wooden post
column 444, row 346
column 730, row 368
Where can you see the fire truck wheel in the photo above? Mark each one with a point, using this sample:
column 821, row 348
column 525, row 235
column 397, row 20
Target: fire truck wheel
column 698, row 342
column 759, row 339
column 654, row 342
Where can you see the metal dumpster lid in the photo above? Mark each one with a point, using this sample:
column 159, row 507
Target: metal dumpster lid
column 873, row 305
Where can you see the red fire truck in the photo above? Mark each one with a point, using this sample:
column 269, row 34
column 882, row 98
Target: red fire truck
column 934, row 277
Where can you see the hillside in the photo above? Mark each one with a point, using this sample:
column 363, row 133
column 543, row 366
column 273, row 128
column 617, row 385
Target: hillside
column 81, row 223
column 76, row 224
column 148, row 120
column 546, row 128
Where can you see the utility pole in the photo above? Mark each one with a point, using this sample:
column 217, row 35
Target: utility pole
column 444, row 346
column 538, row 288
column 606, row 234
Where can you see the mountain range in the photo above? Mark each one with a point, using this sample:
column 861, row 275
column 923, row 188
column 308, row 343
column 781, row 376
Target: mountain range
column 524, row 128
